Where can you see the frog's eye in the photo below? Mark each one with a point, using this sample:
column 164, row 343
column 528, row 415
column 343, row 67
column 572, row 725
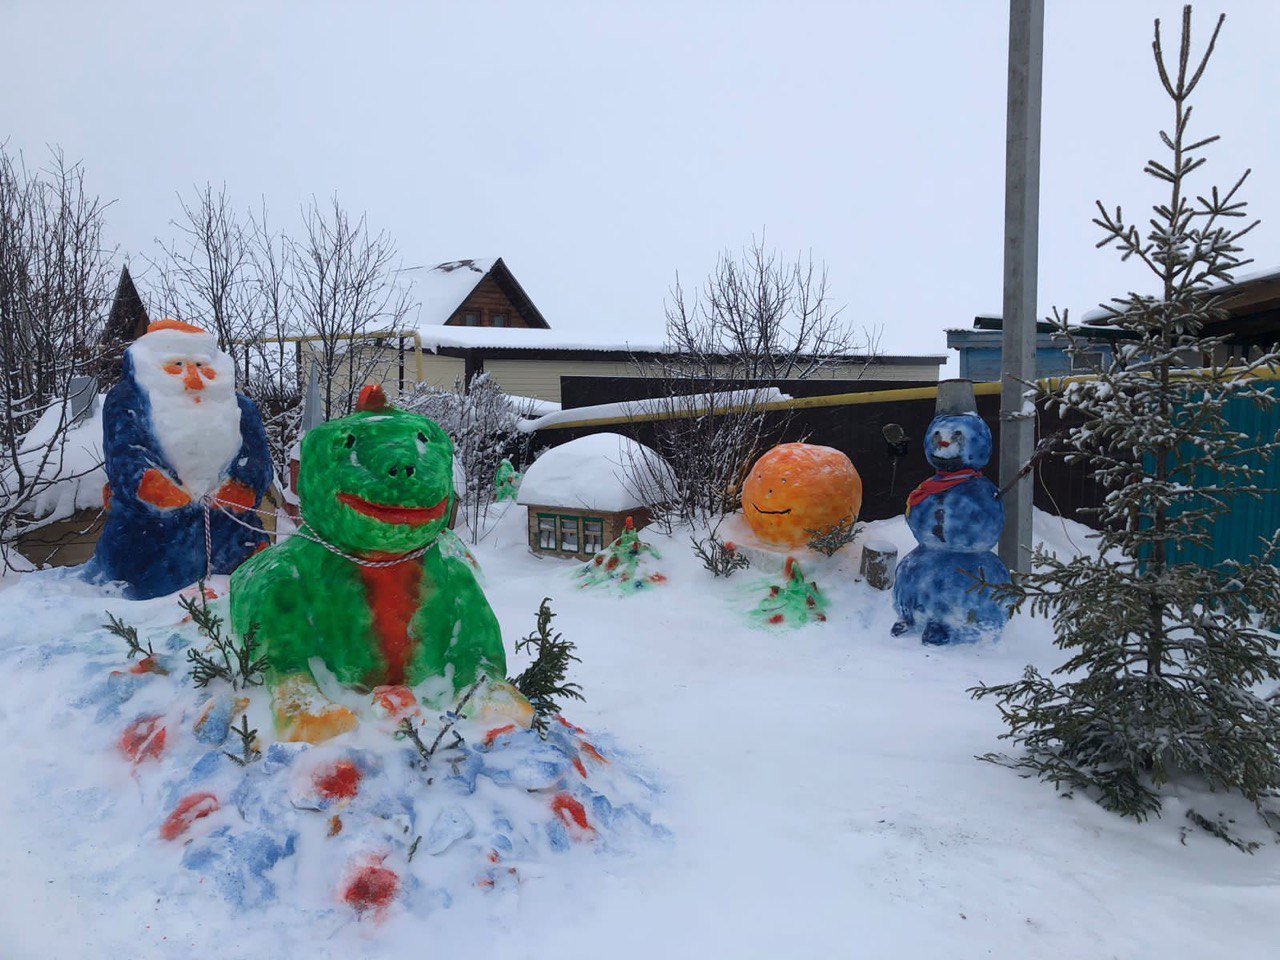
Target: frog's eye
column 351, row 439
column 422, row 438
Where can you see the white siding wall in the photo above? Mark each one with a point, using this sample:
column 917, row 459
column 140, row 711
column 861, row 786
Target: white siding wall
column 541, row 378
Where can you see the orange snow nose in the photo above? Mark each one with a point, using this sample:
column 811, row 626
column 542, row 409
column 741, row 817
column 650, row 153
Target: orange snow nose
column 191, row 378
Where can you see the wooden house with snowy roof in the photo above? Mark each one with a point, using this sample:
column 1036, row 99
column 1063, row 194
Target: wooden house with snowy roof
column 476, row 317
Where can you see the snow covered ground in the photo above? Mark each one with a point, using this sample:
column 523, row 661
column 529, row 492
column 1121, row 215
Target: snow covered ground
column 819, row 786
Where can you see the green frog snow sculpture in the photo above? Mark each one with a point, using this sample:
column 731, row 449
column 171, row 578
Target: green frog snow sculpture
column 365, row 588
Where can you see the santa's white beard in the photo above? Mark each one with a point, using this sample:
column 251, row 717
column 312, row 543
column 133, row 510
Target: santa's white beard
column 198, row 430
column 200, row 440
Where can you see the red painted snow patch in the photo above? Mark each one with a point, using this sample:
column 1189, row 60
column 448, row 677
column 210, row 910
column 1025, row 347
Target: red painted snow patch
column 497, row 732
column 149, row 665
column 571, row 812
column 143, row 739
column 776, row 618
column 592, row 752
column 577, row 765
column 189, row 809
column 395, row 702
column 372, row 887
column 339, row 781
column 566, row 723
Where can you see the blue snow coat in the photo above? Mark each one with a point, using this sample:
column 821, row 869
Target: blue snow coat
column 158, row 551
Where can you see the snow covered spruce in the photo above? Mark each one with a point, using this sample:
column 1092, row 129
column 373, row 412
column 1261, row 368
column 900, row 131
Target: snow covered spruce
column 1173, row 665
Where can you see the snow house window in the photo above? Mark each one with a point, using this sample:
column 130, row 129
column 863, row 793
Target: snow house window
column 546, row 532
column 592, row 535
column 569, row 534
column 499, row 319
column 471, row 319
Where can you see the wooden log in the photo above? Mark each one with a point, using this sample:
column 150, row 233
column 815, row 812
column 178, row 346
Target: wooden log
column 879, row 564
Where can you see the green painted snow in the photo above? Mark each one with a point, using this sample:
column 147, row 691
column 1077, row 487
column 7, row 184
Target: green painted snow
column 307, row 601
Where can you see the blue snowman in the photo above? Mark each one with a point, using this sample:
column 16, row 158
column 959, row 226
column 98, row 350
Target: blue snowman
column 957, row 517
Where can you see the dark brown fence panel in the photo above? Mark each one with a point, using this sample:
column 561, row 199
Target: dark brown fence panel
column 857, row 431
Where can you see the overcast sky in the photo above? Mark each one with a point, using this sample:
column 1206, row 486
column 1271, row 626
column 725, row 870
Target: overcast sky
column 600, row 147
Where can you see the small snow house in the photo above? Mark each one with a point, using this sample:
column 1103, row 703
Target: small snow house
column 580, row 494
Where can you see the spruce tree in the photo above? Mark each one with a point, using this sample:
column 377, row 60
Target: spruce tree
column 1171, row 665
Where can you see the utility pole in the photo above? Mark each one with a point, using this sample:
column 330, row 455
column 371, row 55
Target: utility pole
column 1021, row 249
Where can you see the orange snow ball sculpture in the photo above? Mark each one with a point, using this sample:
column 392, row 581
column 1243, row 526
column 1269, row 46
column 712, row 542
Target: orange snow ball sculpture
column 798, row 488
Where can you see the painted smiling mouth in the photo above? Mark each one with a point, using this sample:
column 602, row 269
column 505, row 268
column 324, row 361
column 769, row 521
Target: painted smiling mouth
column 387, row 513
column 772, row 513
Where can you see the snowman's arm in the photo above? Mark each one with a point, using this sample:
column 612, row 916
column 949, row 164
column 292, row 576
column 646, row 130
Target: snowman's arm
column 136, row 470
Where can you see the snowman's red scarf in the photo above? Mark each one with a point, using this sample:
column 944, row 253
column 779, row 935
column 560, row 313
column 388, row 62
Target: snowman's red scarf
column 940, row 483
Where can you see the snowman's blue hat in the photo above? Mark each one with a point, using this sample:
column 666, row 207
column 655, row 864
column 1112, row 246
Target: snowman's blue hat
column 955, row 397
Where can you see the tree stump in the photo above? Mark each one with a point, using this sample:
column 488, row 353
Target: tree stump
column 879, row 564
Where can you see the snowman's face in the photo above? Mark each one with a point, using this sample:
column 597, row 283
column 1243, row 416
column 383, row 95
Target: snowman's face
column 954, row 442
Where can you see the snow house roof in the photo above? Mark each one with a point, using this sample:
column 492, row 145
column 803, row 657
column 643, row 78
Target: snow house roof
column 603, row 471
column 521, row 338
column 444, row 288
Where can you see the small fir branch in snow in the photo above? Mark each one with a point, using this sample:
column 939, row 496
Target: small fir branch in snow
column 543, row 681
column 1220, row 828
column 249, row 751
column 129, row 634
column 828, row 541
column 721, row 557
column 413, row 847
column 240, row 666
column 407, row 731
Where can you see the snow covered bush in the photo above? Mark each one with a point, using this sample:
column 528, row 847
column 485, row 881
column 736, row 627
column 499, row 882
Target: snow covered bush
column 1170, row 665
column 53, row 293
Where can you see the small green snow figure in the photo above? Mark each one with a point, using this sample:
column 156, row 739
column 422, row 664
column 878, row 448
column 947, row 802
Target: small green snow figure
column 623, row 564
column 506, row 482
column 794, row 604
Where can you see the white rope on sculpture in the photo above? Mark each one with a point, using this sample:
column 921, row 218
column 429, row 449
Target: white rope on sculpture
column 305, row 531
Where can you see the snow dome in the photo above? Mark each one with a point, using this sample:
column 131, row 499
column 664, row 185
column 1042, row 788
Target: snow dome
column 580, row 494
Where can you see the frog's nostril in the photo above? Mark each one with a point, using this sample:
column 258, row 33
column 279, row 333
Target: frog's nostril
column 408, row 471
column 394, row 471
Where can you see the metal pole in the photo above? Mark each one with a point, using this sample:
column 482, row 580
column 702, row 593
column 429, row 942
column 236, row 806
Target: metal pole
column 1021, row 248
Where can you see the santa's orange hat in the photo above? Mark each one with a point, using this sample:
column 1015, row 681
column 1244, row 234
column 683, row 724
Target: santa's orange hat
column 179, row 325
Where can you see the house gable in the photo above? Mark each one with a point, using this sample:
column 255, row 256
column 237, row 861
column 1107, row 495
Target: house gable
column 497, row 300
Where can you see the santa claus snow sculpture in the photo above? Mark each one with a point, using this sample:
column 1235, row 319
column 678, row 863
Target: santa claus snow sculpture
column 178, row 441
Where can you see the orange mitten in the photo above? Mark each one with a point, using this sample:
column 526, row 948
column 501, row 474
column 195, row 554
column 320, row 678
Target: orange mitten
column 159, row 491
column 236, row 495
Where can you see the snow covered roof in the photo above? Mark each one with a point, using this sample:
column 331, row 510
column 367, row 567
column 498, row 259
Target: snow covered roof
column 520, row 338
column 1100, row 316
column 602, row 472
column 442, row 288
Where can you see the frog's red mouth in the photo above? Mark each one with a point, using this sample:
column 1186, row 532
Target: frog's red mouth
column 387, row 513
